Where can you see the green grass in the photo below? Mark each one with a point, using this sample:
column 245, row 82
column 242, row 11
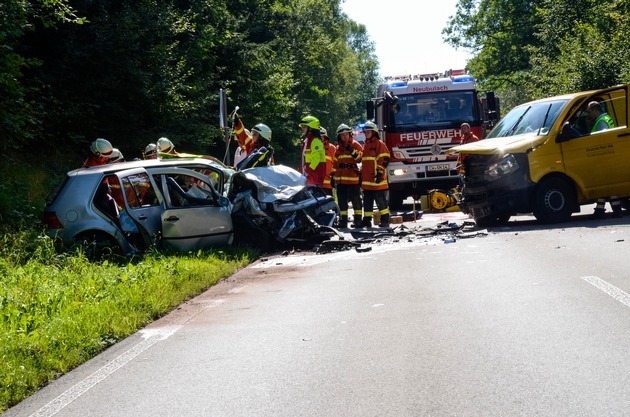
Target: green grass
column 59, row 310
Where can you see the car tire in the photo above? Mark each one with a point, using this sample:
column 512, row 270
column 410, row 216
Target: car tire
column 553, row 202
column 98, row 245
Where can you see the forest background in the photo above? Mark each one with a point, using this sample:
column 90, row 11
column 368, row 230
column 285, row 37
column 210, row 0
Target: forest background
column 132, row 71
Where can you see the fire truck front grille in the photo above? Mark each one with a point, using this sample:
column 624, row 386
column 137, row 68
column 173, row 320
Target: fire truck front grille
column 429, row 150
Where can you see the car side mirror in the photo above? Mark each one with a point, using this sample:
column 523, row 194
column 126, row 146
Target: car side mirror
column 567, row 133
column 223, row 201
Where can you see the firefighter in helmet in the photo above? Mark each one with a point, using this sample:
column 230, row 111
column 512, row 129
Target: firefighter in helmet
column 313, row 161
column 261, row 152
column 374, row 176
column 165, row 147
column 257, row 141
column 345, row 175
column 150, row 152
column 100, row 151
column 115, row 157
column 330, row 155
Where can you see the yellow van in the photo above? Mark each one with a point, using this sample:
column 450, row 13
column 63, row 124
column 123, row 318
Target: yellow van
column 547, row 157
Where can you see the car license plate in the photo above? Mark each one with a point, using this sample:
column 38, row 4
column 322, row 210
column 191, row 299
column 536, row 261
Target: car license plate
column 439, row 167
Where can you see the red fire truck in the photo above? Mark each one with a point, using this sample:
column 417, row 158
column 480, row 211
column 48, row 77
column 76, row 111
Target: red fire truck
column 419, row 117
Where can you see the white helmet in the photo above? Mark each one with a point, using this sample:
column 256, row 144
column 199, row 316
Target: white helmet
column 150, row 151
column 263, row 130
column 101, row 147
column 165, row 145
column 116, row 156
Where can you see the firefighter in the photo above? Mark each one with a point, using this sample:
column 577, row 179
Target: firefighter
column 467, row 137
column 100, row 151
column 115, row 157
column 165, row 146
column 256, row 145
column 330, row 155
column 313, row 162
column 150, row 152
column 374, row 176
column 345, row 175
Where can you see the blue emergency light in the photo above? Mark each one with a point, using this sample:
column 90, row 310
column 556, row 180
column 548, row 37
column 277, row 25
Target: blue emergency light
column 463, row 79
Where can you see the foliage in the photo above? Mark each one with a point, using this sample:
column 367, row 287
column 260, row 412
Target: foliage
column 531, row 49
column 57, row 311
column 134, row 71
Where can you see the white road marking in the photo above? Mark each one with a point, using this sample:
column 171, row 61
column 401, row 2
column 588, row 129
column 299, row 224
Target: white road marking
column 619, row 295
column 150, row 335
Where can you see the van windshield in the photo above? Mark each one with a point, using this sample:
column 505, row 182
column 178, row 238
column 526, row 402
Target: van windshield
column 531, row 118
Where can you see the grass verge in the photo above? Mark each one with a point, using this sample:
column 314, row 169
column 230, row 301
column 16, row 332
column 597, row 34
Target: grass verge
column 59, row 310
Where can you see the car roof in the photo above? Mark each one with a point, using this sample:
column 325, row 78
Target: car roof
column 148, row 163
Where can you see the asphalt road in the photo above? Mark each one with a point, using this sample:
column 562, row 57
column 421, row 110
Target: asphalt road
column 526, row 321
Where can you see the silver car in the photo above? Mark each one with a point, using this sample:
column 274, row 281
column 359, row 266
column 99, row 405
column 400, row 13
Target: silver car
column 129, row 207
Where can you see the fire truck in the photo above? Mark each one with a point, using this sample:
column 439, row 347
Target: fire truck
column 419, row 118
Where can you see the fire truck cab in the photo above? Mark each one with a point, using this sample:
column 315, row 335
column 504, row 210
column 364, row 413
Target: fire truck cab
column 419, row 118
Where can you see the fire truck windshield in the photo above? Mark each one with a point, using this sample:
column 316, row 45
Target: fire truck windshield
column 427, row 110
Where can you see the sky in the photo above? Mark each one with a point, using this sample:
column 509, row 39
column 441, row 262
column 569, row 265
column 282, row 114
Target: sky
column 408, row 34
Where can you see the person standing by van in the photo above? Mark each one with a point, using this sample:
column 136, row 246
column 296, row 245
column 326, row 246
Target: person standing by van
column 602, row 121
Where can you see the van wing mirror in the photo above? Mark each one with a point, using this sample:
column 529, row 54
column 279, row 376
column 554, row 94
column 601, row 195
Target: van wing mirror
column 567, row 133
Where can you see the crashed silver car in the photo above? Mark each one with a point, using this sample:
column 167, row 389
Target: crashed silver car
column 185, row 205
column 274, row 207
column 128, row 207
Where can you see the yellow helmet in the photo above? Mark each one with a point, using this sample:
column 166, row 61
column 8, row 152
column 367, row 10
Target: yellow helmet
column 310, row 121
column 370, row 126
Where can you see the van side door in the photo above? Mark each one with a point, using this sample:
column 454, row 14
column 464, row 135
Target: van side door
column 598, row 160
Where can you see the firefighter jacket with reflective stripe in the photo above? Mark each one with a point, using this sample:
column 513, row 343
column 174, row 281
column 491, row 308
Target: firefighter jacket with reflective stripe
column 345, row 168
column 244, row 140
column 330, row 155
column 374, row 163
column 313, row 163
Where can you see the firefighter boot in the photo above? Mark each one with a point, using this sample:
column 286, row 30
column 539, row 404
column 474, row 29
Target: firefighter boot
column 384, row 221
column 357, row 223
column 366, row 222
column 343, row 222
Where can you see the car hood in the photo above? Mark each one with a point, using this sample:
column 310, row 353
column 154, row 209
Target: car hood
column 511, row 144
column 276, row 182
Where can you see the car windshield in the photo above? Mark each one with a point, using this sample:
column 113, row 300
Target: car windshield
column 536, row 118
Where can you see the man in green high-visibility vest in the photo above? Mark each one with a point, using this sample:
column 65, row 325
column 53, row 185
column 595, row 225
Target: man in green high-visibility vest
column 600, row 119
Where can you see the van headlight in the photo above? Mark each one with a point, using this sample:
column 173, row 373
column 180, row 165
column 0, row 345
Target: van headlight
column 501, row 168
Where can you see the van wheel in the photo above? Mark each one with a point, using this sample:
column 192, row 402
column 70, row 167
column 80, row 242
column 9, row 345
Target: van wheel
column 554, row 200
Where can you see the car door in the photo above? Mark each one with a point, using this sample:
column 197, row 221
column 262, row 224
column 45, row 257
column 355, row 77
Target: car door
column 143, row 206
column 598, row 161
column 195, row 216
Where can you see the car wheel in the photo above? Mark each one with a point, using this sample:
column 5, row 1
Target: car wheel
column 98, row 245
column 554, row 200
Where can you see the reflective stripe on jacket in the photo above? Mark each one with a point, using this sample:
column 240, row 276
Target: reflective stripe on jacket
column 345, row 166
column 375, row 159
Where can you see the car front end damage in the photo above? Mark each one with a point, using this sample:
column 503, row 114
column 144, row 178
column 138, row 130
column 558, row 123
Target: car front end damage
column 495, row 187
column 273, row 205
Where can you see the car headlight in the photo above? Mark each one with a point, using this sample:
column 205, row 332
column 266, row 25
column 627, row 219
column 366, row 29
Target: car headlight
column 501, row 168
